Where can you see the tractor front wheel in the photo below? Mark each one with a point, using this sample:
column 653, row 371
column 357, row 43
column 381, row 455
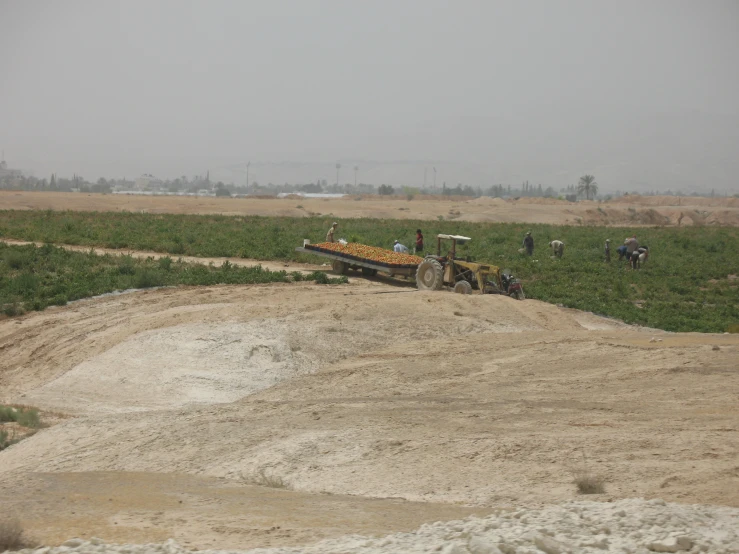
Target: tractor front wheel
column 463, row 287
column 429, row 275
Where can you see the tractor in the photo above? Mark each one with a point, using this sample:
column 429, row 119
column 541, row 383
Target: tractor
column 463, row 276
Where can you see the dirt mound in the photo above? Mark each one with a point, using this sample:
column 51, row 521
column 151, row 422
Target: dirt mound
column 373, row 390
column 487, row 201
column 720, row 202
column 177, row 366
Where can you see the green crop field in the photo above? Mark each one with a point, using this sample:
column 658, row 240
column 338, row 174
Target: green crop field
column 32, row 278
column 689, row 283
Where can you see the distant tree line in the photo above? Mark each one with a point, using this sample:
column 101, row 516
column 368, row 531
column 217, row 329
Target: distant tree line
column 586, row 188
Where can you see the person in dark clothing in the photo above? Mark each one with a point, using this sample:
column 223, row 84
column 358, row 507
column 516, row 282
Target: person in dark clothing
column 419, row 240
column 528, row 243
column 622, row 252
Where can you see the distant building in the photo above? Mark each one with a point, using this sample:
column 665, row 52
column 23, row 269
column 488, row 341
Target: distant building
column 5, row 171
column 148, row 182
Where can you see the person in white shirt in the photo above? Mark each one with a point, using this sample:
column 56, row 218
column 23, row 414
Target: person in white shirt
column 330, row 234
column 558, row 248
column 397, row 247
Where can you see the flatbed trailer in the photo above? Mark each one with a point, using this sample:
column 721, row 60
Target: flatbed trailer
column 342, row 263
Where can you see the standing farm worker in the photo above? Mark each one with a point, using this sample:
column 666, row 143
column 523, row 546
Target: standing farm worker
column 631, row 244
column 397, row 247
column 558, row 248
column 330, row 234
column 528, row 243
column 608, row 250
column 419, row 240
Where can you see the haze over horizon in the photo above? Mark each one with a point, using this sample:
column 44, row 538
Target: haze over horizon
column 642, row 95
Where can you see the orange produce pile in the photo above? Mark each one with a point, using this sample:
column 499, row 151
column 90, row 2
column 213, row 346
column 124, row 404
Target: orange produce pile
column 373, row 253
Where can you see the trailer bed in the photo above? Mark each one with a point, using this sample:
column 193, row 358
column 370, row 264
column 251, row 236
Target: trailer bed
column 355, row 262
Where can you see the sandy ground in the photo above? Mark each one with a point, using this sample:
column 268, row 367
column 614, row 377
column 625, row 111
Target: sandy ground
column 268, row 415
column 627, row 211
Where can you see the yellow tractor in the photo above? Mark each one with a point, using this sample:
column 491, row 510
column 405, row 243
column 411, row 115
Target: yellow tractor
column 463, row 276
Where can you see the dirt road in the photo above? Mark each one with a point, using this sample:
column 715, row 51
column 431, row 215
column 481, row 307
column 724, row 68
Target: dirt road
column 632, row 211
column 243, row 262
column 375, row 407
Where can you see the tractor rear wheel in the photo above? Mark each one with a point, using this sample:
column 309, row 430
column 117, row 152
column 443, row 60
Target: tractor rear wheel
column 342, row 268
column 463, row 287
column 429, row 275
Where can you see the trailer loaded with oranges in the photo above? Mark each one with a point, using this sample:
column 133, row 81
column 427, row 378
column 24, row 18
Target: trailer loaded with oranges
column 368, row 259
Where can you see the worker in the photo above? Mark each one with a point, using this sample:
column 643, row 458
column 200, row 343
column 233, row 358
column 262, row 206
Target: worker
column 397, row 247
column 639, row 256
column 330, row 234
column 631, row 244
column 608, row 250
column 528, row 243
column 621, row 252
column 558, row 248
column 419, row 240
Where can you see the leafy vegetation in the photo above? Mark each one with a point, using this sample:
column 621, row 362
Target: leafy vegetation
column 685, row 286
column 32, row 278
column 26, row 418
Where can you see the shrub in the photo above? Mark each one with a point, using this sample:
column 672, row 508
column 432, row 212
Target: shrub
column 27, row 417
column 147, row 279
column 12, row 536
column 263, row 479
column 589, row 484
column 12, row 310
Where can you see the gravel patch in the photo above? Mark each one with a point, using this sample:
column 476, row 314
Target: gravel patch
column 631, row 526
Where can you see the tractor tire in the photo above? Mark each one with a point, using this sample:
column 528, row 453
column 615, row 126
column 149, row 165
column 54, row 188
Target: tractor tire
column 519, row 295
column 342, row 268
column 368, row 272
column 429, row 275
column 463, row 287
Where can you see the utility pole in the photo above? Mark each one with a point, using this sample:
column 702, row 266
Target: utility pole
column 247, row 176
column 356, row 168
column 434, row 179
column 425, row 170
column 338, row 167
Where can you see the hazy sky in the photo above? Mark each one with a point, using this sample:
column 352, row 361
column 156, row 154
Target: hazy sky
column 501, row 90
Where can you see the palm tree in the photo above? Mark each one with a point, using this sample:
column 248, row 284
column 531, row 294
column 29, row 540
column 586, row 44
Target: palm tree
column 587, row 186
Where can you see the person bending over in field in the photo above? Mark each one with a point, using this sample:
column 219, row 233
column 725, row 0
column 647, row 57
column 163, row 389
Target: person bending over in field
column 397, row 247
column 558, row 248
column 330, row 234
column 639, row 256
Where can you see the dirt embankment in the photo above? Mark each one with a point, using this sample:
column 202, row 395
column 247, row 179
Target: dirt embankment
column 216, row 415
column 626, row 211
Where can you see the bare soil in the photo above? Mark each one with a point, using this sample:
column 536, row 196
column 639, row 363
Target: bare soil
column 377, row 407
column 630, row 210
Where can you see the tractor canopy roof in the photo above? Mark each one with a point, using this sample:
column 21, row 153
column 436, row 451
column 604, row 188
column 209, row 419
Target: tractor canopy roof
column 459, row 238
